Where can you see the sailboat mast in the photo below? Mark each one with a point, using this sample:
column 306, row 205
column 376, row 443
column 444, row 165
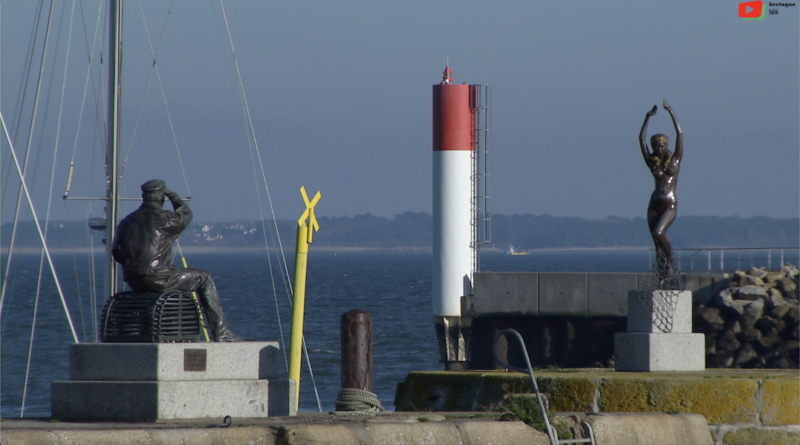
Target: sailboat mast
column 112, row 158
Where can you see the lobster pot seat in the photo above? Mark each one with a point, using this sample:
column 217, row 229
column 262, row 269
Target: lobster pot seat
column 153, row 317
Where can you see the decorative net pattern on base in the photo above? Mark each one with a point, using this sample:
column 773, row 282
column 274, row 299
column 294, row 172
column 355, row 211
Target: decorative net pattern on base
column 661, row 304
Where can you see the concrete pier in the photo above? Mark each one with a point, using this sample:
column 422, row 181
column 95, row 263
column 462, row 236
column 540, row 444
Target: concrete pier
column 454, row 428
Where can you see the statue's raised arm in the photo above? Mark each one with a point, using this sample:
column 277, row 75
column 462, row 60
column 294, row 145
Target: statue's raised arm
column 678, row 156
column 643, row 134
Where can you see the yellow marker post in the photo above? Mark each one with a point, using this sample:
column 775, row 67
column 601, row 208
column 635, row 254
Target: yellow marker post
column 304, row 237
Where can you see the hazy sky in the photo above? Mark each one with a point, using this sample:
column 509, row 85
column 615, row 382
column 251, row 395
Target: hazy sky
column 340, row 97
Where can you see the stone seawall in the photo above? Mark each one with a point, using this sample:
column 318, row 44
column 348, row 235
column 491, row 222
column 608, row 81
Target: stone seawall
column 752, row 403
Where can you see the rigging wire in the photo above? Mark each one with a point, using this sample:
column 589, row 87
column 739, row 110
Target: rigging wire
column 27, row 155
column 89, row 76
column 20, row 104
column 38, row 229
column 258, row 194
column 266, row 187
column 47, row 219
column 154, row 68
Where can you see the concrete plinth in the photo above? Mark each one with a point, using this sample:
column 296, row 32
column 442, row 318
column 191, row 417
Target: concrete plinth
column 643, row 311
column 646, row 347
column 174, row 361
column 161, row 381
column 128, row 400
column 659, row 352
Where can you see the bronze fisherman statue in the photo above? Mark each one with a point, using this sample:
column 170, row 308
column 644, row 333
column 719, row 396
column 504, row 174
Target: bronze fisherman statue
column 143, row 246
column 664, row 165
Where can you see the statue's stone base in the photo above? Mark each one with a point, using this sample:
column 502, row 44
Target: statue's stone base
column 659, row 352
column 155, row 381
column 645, row 347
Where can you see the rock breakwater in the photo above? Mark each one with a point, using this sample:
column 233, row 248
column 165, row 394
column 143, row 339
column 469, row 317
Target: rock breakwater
column 753, row 320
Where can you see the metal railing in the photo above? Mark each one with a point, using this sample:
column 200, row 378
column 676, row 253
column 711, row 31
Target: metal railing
column 551, row 431
column 732, row 258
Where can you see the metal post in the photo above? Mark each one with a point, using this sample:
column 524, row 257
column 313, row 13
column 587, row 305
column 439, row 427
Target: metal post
column 769, row 259
column 781, row 258
column 356, row 338
column 708, row 253
column 112, row 147
column 721, row 260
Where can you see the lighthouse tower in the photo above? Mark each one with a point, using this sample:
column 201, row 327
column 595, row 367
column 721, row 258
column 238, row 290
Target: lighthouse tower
column 452, row 194
column 456, row 234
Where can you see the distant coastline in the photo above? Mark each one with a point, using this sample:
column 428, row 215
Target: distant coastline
column 412, row 232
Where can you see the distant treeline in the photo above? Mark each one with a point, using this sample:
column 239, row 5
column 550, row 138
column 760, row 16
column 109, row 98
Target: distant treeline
column 412, row 229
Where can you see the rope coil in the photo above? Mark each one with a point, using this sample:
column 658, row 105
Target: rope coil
column 357, row 400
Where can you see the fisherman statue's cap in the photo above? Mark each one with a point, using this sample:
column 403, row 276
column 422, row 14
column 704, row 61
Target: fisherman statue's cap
column 154, row 185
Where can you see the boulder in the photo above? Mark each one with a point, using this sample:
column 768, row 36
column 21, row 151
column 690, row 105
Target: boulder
column 749, row 280
column 775, row 299
column 767, row 324
column 711, row 316
column 746, row 353
column 752, row 312
column 771, row 333
column 789, row 346
column 711, row 345
column 779, row 311
column 725, row 300
column 792, row 315
column 766, row 343
column 728, row 342
column 787, row 285
column 766, row 286
column 751, row 292
column 751, row 335
column 791, row 271
column 778, row 362
column 773, row 277
column 722, row 359
column 757, row 272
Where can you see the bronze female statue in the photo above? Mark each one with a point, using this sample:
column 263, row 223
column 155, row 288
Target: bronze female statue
column 663, row 207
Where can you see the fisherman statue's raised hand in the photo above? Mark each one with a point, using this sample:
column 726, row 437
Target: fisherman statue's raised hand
column 143, row 246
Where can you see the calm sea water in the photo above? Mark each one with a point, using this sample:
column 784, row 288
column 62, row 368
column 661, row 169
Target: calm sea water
column 394, row 287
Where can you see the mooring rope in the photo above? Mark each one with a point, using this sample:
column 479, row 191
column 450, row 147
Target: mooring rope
column 357, row 401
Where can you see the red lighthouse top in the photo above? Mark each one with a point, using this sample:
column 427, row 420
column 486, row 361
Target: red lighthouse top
column 448, row 75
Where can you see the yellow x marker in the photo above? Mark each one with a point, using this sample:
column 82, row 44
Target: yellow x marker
column 309, row 213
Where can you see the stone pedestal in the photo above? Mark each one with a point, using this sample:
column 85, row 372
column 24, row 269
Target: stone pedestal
column 645, row 347
column 155, row 381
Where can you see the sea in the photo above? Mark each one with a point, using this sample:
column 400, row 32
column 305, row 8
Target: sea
column 393, row 286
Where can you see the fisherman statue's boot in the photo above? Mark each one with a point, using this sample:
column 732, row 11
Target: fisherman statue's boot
column 220, row 329
column 216, row 318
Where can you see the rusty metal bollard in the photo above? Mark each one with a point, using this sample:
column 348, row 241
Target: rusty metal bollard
column 357, row 350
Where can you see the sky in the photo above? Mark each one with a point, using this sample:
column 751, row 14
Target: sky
column 339, row 95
